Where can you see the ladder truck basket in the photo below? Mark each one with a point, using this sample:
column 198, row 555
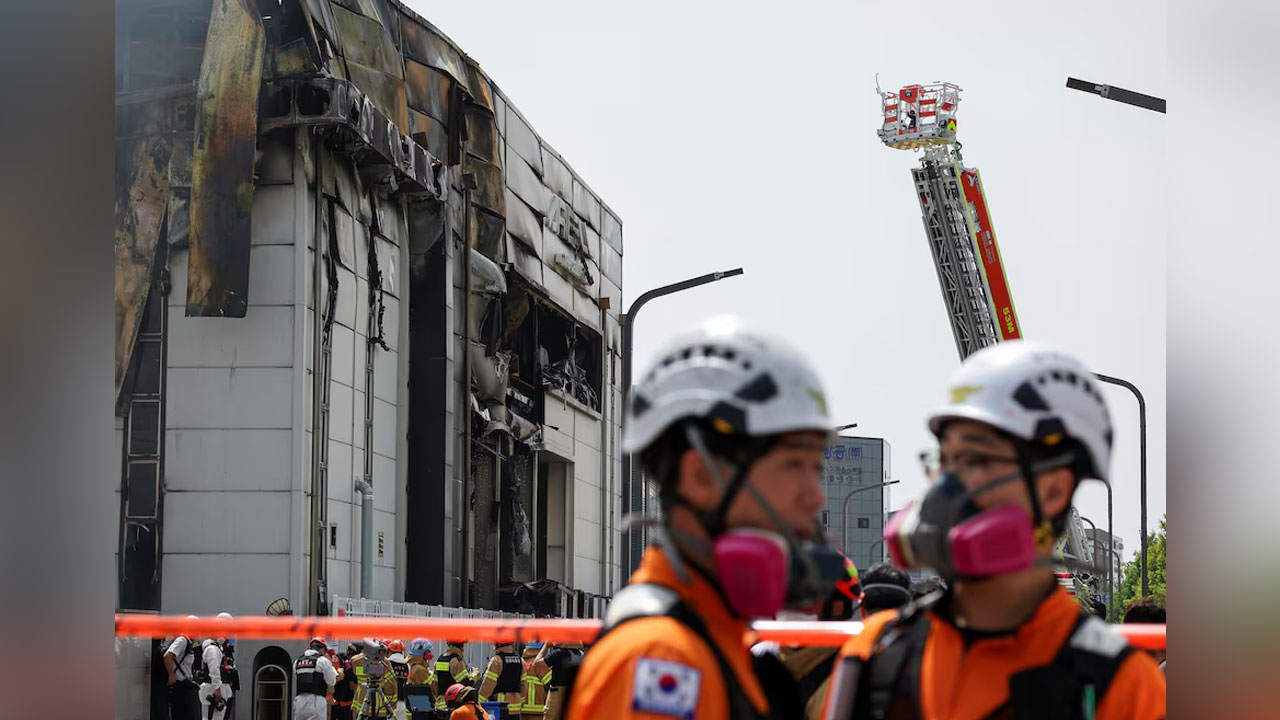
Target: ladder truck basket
column 918, row 116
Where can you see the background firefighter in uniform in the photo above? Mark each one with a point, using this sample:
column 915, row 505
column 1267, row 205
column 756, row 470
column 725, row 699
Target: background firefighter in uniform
column 810, row 666
column 213, row 692
column 344, row 692
column 372, row 668
column 732, row 427
column 421, row 661
column 451, row 669
column 534, row 682
column 563, row 660
column 314, row 677
column 1024, row 426
column 400, row 666
column 501, row 680
column 461, row 701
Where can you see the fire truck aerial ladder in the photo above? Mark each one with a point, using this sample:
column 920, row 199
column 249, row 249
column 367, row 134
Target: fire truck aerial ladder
column 957, row 222
column 962, row 240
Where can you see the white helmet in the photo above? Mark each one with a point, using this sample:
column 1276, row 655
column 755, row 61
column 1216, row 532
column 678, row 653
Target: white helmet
column 741, row 381
column 224, row 616
column 1033, row 392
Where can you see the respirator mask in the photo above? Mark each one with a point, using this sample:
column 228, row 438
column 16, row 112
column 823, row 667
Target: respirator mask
column 947, row 531
column 762, row 571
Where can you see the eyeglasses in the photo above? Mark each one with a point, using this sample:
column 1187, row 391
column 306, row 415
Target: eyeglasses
column 966, row 463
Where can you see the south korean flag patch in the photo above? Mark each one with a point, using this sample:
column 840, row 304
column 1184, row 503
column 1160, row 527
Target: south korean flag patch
column 665, row 687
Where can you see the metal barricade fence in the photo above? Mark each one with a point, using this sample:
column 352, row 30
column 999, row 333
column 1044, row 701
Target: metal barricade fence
column 477, row 654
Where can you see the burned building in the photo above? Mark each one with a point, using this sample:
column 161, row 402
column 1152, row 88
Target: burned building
column 347, row 267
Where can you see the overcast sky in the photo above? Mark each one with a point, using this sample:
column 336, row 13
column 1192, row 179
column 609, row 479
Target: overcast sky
column 743, row 134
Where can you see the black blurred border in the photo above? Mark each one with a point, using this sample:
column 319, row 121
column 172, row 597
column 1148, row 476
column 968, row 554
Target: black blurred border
column 1223, row 359
column 57, row 581
column 58, row 461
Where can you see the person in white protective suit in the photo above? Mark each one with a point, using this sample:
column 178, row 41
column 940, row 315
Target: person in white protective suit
column 213, row 692
column 315, row 676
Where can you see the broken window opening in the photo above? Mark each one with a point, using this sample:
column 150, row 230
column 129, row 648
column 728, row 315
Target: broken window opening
column 570, row 358
column 552, row 351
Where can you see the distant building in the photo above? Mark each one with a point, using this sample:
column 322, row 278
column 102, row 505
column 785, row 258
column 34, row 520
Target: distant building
column 1096, row 546
column 852, row 464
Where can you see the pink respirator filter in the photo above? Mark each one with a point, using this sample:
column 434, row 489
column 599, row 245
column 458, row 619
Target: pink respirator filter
column 753, row 568
column 994, row 542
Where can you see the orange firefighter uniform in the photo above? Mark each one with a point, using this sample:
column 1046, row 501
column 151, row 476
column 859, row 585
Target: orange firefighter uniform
column 469, row 710
column 1061, row 658
column 657, row 668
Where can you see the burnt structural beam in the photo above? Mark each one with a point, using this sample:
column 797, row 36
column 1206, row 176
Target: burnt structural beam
column 633, row 496
column 226, row 125
column 1110, row 92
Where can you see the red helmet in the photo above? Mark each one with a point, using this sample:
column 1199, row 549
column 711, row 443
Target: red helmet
column 848, row 586
column 457, row 693
column 395, row 646
column 847, row 592
column 318, row 643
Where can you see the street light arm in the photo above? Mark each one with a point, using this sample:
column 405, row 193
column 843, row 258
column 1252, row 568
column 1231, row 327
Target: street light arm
column 632, row 499
column 677, row 287
column 844, row 511
column 629, row 320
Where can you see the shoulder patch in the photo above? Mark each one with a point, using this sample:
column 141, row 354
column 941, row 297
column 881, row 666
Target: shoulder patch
column 665, row 687
column 1096, row 637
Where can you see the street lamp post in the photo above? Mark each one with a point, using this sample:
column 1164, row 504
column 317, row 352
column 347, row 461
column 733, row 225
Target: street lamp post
column 1142, row 455
column 844, row 511
column 1149, row 102
column 871, row 552
column 634, row 499
column 1115, row 562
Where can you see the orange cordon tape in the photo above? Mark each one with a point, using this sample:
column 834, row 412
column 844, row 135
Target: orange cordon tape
column 819, row 634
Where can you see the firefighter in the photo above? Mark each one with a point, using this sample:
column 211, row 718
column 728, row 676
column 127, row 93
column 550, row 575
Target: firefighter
column 315, row 677
column 534, row 682
column 461, row 701
column 451, row 668
column 373, row 671
column 400, row 666
column 563, row 660
column 501, row 681
column 732, row 426
column 1024, row 425
column 421, row 656
column 809, row 668
column 345, row 689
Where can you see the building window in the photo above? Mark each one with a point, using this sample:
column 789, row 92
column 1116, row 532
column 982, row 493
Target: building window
column 864, row 523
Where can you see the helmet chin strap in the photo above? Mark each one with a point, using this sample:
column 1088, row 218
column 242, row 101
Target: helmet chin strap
column 694, row 436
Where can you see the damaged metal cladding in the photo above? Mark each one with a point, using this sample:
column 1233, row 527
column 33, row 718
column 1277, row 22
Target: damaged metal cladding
column 222, row 163
column 204, row 85
column 489, row 372
column 142, row 198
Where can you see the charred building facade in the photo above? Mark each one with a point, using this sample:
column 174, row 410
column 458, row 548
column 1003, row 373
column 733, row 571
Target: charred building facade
column 349, row 268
